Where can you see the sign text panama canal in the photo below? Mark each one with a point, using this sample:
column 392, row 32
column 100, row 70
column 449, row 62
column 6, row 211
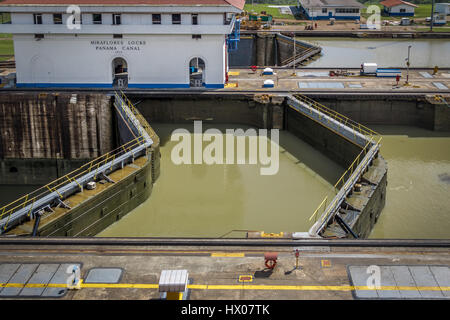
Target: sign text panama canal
column 129, row 45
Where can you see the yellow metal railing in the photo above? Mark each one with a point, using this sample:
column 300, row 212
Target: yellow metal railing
column 138, row 116
column 297, row 56
column 94, row 165
column 344, row 180
column 373, row 140
column 369, row 133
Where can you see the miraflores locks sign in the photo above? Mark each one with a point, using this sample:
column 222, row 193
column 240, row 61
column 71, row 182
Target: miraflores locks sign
column 118, row 45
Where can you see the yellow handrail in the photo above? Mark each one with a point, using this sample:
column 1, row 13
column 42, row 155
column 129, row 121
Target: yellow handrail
column 337, row 116
column 352, row 166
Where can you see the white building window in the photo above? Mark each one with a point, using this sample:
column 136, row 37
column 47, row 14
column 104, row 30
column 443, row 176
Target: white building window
column 176, row 18
column 195, row 19
column 117, row 19
column 97, row 18
column 57, row 18
column 37, row 18
column 324, row 10
column 402, row 10
column 347, row 10
column 156, row 18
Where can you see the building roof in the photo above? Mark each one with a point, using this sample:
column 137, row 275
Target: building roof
column 331, row 4
column 393, row 3
column 235, row 3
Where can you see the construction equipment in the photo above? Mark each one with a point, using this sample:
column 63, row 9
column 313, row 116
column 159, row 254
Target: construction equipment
column 255, row 21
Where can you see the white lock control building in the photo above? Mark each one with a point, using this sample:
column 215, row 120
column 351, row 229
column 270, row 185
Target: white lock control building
column 121, row 43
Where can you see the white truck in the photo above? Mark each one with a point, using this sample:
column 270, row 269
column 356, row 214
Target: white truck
column 371, row 69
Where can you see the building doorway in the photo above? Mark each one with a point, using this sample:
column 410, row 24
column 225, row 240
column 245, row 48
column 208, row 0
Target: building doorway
column 197, row 72
column 120, row 73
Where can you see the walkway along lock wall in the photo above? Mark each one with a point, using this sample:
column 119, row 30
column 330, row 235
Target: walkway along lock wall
column 360, row 192
column 69, row 207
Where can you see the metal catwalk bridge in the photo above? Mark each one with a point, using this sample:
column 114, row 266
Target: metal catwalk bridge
column 360, row 135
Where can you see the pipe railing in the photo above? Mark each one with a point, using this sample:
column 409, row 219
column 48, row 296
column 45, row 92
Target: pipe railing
column 326, row 210
column 369, row 133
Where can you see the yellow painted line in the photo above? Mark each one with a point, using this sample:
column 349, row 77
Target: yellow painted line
column 234, row 73
column 228, row 254
column 231, row 85
column 226, row 287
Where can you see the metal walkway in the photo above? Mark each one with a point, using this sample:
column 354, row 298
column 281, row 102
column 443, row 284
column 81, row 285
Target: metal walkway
column 367, row 139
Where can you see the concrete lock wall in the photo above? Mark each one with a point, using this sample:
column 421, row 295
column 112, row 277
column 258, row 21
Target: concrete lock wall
column 109, row 206
column 323, row 139
column 272, row 113
column 46, row 136
column 441, row 117
column 36, row 171
column 384, row 111
column 67, row 133
column 265, row 50
column 237, row 109
column 344, row 152
column 260, row 111
column 373, row 206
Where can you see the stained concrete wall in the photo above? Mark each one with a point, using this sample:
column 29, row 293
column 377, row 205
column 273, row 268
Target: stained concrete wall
column 384, row 111
column 370, row 213
column 264, row 50
column 46, row 136
column 334, row 146
column 246, row 110
column 50, row 126
column 36, row 171
column 99, row 212
column 441, row 117
column 344, row 152
column 245, row 55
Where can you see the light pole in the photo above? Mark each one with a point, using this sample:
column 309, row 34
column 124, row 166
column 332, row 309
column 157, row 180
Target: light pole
column 407, row 66
column 432, row 16
column 293, row 38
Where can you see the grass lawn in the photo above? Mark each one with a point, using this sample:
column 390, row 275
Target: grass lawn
column 6, row 48
column 274, row 12
column 423, row 11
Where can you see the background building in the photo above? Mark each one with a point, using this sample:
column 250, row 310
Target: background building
column 398, row 8
column 125, row 43
column 443, row 8
column 326, row 9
